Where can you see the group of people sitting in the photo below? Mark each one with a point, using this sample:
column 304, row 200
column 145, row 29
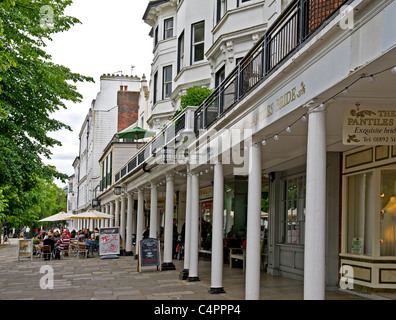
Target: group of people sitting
column 61, row 241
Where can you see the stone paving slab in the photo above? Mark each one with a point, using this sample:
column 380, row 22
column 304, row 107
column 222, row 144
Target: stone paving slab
column 118, row 279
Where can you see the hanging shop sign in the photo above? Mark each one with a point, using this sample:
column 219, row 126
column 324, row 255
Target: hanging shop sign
column 205, row 193
column 369, row 126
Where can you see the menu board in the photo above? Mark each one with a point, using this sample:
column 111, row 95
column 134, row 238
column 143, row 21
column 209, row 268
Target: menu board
column 149, row 253
column 25, row 248
column 109, row 241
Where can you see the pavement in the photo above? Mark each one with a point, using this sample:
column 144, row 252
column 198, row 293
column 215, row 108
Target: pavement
column 118, row 279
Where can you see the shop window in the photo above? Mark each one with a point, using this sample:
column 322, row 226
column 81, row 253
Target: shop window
column 360, row 213
column 294, row 210
column 388, row 213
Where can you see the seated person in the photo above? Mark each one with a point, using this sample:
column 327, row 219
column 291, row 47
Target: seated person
column 62, row 244
column 91, row 246
column 49, row 241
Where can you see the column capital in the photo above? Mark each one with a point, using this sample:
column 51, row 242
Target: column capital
column 129, row 195
column 312, row 109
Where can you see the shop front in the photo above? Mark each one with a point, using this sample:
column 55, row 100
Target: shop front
column 369, row 217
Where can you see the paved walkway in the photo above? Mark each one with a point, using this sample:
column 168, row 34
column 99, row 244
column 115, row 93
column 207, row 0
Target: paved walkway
column 118, row 279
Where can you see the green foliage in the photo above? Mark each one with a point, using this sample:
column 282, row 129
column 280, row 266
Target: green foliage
column 32, row 88
column 3, row 204
column 194, row 96
column 44, row 200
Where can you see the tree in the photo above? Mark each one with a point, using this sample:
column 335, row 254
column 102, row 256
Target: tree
column 32, row 88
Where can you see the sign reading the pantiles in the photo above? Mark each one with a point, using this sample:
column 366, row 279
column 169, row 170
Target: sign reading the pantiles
column 368, row 126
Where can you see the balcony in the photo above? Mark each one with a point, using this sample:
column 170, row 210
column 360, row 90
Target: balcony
column 300, row 21
column 161, row 148
column 295, row 26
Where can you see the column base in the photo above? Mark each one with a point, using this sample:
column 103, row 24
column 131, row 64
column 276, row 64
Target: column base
column 168, row 266
column 183, row 275
column 193, row 279
column 128, row 253
column 216, row 290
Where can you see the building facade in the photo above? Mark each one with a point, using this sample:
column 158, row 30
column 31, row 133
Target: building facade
column 115, row 109
column 293, row 152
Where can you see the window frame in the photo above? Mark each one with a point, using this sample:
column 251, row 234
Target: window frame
column 181, row 52
column 167, row 29
column 195, row 44
column 166, row 82
column 287, row 236
column 155, row 88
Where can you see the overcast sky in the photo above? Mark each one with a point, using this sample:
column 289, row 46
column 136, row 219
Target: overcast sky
column 111, row 37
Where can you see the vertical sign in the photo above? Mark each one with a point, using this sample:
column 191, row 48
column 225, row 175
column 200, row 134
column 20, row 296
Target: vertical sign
column 109, row 241
column 357, row 246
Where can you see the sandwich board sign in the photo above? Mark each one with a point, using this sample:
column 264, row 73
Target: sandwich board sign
column 109, row 242
column 25, row 249
column 149, row 253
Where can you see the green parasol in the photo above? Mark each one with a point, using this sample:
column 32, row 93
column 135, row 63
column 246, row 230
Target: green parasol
column 135, row 133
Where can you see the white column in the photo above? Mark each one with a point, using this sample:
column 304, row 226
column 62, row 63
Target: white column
column 168, row 229
column 153, row 211
column 187, row 236
column 140, row 217
column 217, row 230
column 108, row 212
column 193, row 270
column 111, row 222
column 117, row 213
column 128, row 245
column 315, row 217
column 122, row 220
column 253, row 254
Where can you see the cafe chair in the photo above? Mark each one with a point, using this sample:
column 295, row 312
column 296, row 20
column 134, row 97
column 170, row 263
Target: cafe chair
column 73, row 248
column 64, row 250
column 82, row 249
column 46, row 253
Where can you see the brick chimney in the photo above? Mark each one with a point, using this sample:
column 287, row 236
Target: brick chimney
column 128, row 108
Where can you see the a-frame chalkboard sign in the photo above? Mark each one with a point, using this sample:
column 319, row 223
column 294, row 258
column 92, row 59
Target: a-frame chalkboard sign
column 149, row 254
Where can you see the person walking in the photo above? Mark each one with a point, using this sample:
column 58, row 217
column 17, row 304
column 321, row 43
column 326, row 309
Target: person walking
column 27, row 232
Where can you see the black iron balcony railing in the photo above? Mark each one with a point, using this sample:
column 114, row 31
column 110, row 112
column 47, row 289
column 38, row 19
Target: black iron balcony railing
column 293, row 28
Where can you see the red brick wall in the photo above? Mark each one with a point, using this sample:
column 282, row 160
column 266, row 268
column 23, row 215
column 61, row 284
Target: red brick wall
column 128, row 108
column 320, row 10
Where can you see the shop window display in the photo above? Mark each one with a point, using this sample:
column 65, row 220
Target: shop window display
column 388, row 213
column 360, row 213
column 364, row 211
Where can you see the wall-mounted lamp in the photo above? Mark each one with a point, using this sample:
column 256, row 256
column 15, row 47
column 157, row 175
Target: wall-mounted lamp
column 117, row 190
column 95, row 203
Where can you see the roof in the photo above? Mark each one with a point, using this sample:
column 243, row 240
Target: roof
column 153, row 4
